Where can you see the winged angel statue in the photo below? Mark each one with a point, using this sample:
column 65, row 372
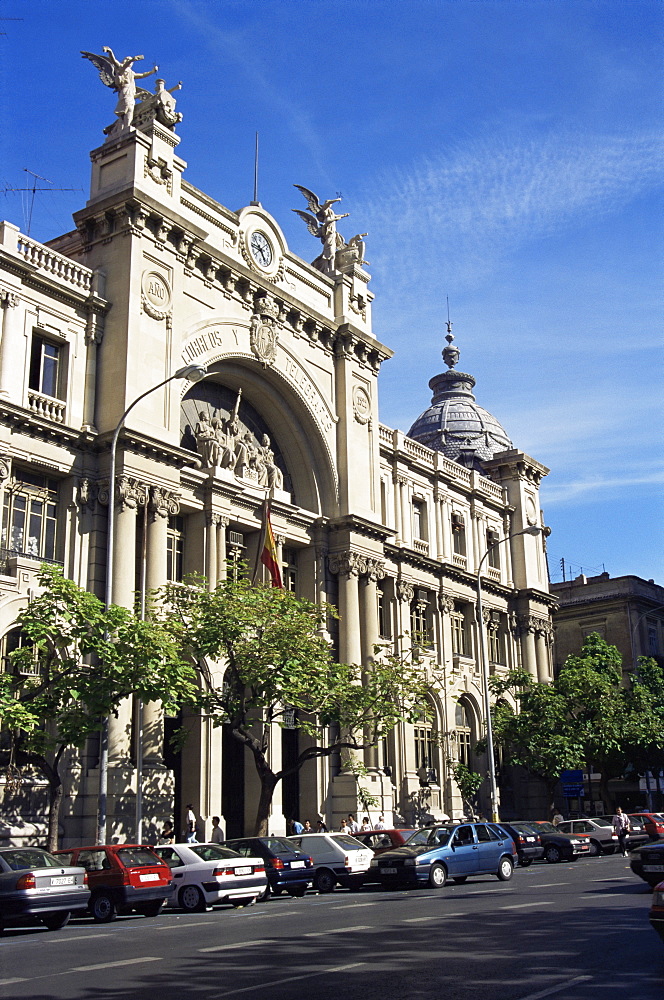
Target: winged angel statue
column 323, row 225
column 121, row 78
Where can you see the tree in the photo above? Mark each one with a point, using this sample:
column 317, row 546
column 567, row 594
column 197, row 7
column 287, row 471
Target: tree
column 77, row 662
column 278, row 668
column 469, row 783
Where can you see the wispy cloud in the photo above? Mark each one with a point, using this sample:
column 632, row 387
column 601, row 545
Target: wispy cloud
column 458, row 213
column 593, row 488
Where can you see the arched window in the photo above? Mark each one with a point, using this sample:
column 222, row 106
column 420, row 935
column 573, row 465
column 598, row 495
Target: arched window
column 463, row 719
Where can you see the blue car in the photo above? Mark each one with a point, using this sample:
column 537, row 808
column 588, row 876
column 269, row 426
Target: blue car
column 433, row 855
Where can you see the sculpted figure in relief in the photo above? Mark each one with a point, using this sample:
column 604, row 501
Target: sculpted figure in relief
column 207, row 442
column 274, row 477
column 120, row 77
column 322, row 224
column 160, row 105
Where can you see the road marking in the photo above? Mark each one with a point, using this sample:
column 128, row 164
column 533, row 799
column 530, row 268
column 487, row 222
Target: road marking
column 338, row 930
column 179, row 927
column 556, row 989
column 520, row 906
column 9, row 982
column 547, row 885
column 114, row 965
column 621, row 878
column 417, row 920
column 348, row 906
column 78, row 937
column 290, row 979
column 229, row 947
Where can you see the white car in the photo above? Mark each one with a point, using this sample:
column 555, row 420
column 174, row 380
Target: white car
column 205, row 874
column 337, row 857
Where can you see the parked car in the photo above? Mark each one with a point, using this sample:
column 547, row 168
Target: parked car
column 653, row 824
column 528, row 843
column 384, row 840
column 597, row 831
column 648, row 863
column 336, row 857
column 637, row 833
column 205, row 874
column 285, row 867
column 35, row 884
column 657, row 910
column 557, row 846
column 121, row 878
column 433, row 855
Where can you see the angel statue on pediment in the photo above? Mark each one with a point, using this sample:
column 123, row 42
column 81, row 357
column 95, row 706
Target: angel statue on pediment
column 121, row 78
column 323, row 225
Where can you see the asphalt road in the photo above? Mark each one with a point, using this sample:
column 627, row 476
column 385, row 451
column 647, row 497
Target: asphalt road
column 570, row 931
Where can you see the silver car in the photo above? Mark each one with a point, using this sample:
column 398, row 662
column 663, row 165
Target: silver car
column 597, row 831
column 34, row 884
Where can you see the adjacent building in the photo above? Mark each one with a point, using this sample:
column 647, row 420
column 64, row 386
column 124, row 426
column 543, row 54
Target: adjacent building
column 390, row 527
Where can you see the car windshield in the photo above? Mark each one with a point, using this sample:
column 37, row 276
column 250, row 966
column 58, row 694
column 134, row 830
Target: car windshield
column 278, row 846
column 523, row 828
column 212, row 852
column 138, row 857
column 545, row 827
column 348, row 842
column 31, row 857
column 437, row 835
column 600, row 821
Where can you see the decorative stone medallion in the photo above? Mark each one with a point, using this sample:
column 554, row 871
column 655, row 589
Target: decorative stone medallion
column 361, row 405
column 155, row 295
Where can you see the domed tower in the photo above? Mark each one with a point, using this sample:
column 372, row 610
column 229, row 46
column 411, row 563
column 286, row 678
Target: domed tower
column 455, row 424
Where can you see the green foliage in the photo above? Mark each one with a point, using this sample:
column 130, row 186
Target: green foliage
column 469, row 782
column 275, row 657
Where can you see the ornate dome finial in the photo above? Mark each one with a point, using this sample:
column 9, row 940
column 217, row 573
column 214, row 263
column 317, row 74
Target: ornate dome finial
column 450, row 354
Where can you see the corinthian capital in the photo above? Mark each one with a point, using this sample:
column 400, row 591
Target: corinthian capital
column 405, row 591
column 163, row 503
column 347, row 563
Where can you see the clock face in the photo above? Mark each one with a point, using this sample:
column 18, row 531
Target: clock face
column 261, row 249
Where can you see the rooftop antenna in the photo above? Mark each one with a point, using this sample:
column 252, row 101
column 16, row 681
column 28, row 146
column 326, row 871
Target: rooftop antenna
column 449, row 322
column 33, row 190
column 256, row 201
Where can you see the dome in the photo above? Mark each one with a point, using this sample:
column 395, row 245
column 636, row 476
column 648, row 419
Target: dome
column 455, row 424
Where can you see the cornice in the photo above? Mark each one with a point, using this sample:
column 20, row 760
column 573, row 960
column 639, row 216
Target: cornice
column 360, row 526
column 23, row 421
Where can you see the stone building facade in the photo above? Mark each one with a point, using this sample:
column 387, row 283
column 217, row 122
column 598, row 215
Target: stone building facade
column 389, row 527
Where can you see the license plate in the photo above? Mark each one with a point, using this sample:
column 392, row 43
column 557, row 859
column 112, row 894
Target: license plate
column 388, row 871
column 653, row 868
column 63, row 880
column 244, row 870
column 149, row 877
column 298, row 864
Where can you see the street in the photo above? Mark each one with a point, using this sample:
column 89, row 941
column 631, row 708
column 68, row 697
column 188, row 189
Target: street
column 570, row 931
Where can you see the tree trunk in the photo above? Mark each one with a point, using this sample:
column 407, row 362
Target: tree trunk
column 607, row 798
column 268, row 784
column 55, row 793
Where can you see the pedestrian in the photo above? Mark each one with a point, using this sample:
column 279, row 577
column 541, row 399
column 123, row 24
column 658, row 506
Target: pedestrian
column 557, row 817
column 217, row 835
column 296, row 826
column 353, row 825
column 307, row 827
column 320, row 826
column 621, row 825
column 343, row 827
column 167, row 835
column 366, row 825
column 380, row 825
column 190, row 825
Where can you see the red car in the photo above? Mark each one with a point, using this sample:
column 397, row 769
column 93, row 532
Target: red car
column 653, row 824
column 384, row 840
column 121, row 878
column 657, row 910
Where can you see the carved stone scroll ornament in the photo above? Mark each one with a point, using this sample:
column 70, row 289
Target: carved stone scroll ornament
column 375, row 570
column 157, row 107
column 8, row 300
column 445, row 603
column 130, row 493
column 361, row 405
column 87, row 493
column 347, row 563
column 405, row 591
column 263, row 338
column 163, row 503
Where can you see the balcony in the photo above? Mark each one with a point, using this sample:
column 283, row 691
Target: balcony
column 459, row 560
column 11, row 560
column 46, row 406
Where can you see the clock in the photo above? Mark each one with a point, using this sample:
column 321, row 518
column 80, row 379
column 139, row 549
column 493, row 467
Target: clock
column 260, row 248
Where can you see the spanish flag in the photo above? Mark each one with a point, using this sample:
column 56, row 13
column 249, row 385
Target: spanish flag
column 269, row 554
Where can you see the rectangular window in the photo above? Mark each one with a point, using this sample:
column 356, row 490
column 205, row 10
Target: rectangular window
column 653, row 642
column 421, row 623
column 289, row 570
column 29, row 518
column 420, row 520
column 495, row 639
column 458, row 535
column 492, row 539
column 174, row 549
column 45, row 362
column 424, row 748
column 384, row 622
column 459, row 646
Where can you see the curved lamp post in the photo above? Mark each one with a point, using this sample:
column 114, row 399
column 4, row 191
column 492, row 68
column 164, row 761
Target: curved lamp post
column 193, row 373
column 532, row 530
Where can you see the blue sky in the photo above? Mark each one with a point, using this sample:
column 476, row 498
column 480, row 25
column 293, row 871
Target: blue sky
column 505, row 154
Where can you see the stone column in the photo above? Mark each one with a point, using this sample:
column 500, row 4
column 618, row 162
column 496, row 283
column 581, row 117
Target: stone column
column 129, row 496
column 371, row 635
column 94, row 333
column 528, row 651
column 222, row 555
column 348, row 566
column 405, row 593
column 542, row 653
column 11, row 348
column 438, row 519
column 211, row 523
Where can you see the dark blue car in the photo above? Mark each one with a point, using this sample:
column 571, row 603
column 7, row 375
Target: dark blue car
column 285, row 867
column 434, row 855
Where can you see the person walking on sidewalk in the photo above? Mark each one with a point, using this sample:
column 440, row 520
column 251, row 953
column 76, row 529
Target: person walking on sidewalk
column 620, row 824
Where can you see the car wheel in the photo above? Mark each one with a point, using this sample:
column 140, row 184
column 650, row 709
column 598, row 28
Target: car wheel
column 191, row 899
column 150, row 909
column 265, row 895
column 524, row 862
column 460, row 879
column 54, row 921
column 239, row 903
column 552, row 854
column 595, row 848
column 437, row 877
column 325, row 880
column 299, row 891
column 102, row 908
column 505, row 869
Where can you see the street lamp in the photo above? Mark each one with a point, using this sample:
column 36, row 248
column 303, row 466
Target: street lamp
column 193, row 373
column 533, row 529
